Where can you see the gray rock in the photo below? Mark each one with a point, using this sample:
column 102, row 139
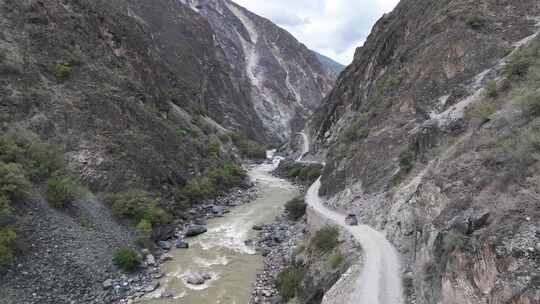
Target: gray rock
column 165, row 245
column 181, row 244
column 218, row 209
column 107, row 284
column 194, row 230
column 153, row 286
column 150, row 260
column 166, row 258
column 257, row 227
column 195, row 279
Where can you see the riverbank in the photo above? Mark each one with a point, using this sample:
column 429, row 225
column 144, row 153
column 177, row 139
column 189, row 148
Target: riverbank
column 132, row 288
column 223, row 258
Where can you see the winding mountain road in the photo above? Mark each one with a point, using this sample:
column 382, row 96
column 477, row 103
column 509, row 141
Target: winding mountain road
column 380, row 279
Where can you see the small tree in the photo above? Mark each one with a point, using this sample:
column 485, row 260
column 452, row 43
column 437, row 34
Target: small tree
column 289, row 280
column 62, row 191
column 296, row 208
column 127, row 259
column 326, row 239
column 13, row 182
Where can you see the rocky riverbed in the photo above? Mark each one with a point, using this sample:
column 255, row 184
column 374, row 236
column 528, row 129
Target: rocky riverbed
column 277, row 242
column 128, row 288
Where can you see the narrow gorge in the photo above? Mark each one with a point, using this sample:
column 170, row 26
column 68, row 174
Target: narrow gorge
column 194, row 151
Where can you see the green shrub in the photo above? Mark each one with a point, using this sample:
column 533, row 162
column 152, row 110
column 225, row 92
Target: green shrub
column 305, row 173
column 288, row 281
column 73, row 57
column 355, row 134
column 407, row 160
column 358, row 129
column 343, row 151
column 296, row 208
column 137, row 205
column 127, row 259
column 336, row 259
column 199, row 188
column 13, row 182
column 39, row 159
column 61, row 70
column 326, row 239
column 520, row 63
column 145, row 233
column 62, row 191
column 7, row 246
column 481, row 110
column 5, row 210
column 492, row 90
column 530, row 104
column 247, row 147
column 214, row 147
column 183, row 132
column 228, row 175
column 145, row 226
column 475, row 22
column 520, row 149
column 215, row 181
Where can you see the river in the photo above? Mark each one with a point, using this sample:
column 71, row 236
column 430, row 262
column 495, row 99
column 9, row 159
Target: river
column 221, row 252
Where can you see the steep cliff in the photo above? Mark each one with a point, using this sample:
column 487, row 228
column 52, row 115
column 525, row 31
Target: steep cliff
column 428, row 136
column 285, row 81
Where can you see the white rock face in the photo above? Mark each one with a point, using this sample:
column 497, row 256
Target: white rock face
column 285, row 80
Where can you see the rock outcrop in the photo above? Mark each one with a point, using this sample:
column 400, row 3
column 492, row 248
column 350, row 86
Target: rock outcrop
column 285, row 81
column 424, row 135
column 139, row 95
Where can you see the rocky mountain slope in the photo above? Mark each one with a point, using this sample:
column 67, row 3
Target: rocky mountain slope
column 132, row 95
column 429, row 135
column 334, row 67
column 285, row 80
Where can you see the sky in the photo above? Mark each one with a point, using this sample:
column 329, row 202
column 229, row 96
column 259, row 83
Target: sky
column 331, row 27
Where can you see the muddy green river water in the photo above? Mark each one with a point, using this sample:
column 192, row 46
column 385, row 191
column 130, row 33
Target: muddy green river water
column 222, row 252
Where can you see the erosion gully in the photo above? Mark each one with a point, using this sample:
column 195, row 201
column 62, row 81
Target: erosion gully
column 222, row 252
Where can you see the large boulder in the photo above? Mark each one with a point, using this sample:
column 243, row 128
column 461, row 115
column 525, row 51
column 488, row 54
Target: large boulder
column 195, row 278
column 181, row 244
column 165, row 245
column 194, row 230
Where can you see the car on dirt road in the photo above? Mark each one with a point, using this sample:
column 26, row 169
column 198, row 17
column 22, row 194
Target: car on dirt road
column 351, row 220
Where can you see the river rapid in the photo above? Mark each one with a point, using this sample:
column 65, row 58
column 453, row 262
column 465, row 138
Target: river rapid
column 222, row 252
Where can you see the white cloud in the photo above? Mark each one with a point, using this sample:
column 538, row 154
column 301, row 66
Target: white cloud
column 332, row 27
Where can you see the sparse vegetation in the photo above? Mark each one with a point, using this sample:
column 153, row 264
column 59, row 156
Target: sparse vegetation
column 137, row 205
column 127, row 259
column 214, row 182
column 325, row 239
column 304, row 173
column 288, row 281
column 214, row 147
column 62, row 191
column 296, row 208
column 407, row 160
column 358, row 130
column 492, row 91
column 7, row 244
column 530, row 104
column 63, row 69
column 343, row 151
column 25, row 160
column 247, row 147
column 475, row 22
column 481, row 110
column 336, row 259
column 520, row 63
column 13, row 182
